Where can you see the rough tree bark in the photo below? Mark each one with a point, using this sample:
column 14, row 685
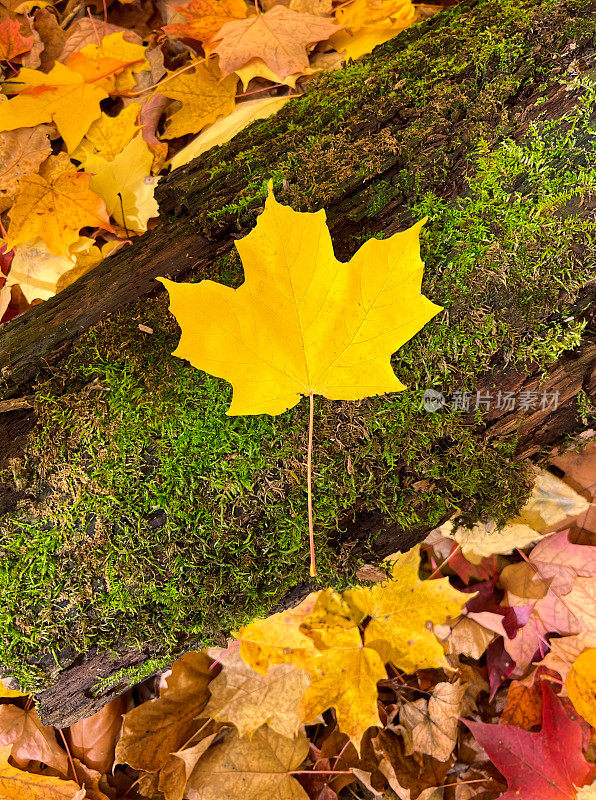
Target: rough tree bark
column 348, row 159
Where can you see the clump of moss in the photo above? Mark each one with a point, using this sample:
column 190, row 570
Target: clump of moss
column 151, row 516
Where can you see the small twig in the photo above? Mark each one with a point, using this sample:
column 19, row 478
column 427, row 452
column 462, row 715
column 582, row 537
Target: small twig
column 70, row 761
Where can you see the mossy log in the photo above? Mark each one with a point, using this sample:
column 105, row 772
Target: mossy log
column 139, row 520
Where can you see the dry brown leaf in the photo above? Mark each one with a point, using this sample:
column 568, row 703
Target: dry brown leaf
column 21, row 152
column 93, row 740
column 159, row 727
column 30, row 739
column 250, row 769
column 248, row 700
column 87, row 31
column 279, row 37
column 174, row 775
column 430, row 724
column 565, row 649
column 52, row 36
column 406, row 775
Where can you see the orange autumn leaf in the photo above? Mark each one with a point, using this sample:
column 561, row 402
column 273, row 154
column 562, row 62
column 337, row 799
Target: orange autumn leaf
column 524, row 705
column 12, row 42
column 54, row 205
column 279, row 37
column 16, row 784
column 205, row 18
column 80, row 85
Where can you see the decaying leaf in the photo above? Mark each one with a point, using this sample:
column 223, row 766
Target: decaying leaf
column 303, row 322
column 430, row 724
column 21, row 152
column 12, row 42
column 248, row 700
column 279, row 37
column 29, row 738
column 250, row 769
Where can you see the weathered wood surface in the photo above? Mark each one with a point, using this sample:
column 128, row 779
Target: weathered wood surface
column 33, row 343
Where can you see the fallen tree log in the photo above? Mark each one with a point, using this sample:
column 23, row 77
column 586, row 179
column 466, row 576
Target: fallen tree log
column 138, row 520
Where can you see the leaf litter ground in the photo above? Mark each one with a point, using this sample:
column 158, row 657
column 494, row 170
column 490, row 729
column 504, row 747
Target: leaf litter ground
column 404, row 687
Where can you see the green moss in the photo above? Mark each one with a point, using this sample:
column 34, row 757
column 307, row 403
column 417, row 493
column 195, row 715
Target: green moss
column 151, row 516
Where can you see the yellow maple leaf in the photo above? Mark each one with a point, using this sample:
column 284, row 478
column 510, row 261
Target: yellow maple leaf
column 302, row 322
column 54, row 205
column 344, row 677
column 125, row 185
column 204, row 96
column 69, row 95
column 108, row 136
column 367, row 12
column 399, row 610
column 581, row 685
column 115, row 46
column 227, row 127
column 205, row 18
column 365, row 39
column 278, row 638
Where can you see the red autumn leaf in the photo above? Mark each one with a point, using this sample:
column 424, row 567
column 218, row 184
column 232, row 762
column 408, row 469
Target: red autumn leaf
column 548, row 765
column 12, row 42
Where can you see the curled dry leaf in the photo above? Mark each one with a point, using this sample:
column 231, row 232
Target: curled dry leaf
column 174, row 775
column 30, row 739
column 430, row 724
column 159, row 727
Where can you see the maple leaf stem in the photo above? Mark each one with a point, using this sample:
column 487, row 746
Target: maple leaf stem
column 311, row 538
column 70, row 761
column 440, row 567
